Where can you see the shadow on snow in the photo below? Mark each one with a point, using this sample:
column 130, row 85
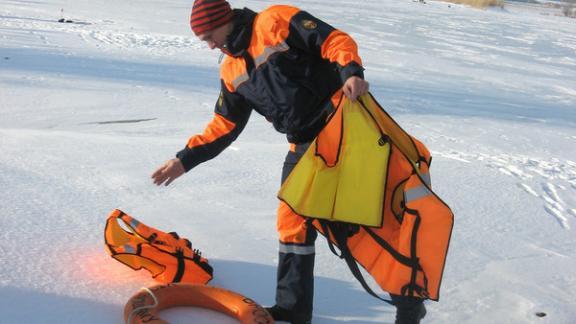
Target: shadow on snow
column 332, row 298
column 71, row 66
column 27, row 306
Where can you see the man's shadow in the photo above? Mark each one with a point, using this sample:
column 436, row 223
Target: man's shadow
column 334, row 300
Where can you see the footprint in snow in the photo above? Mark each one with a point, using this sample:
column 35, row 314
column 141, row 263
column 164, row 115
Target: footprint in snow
column 563, row 220
column 553, row 181
column 528, row 189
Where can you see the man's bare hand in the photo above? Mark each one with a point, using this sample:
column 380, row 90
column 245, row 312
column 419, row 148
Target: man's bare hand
column 168, row 172
column 355, row 87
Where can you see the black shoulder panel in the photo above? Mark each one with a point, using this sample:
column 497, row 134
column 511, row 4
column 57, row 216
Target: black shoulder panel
column 308, row 32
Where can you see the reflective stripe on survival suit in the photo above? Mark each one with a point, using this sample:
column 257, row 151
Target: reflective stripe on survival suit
column 406, row 255
column 166, row 256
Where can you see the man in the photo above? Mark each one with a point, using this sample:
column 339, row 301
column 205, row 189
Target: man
column 289, row 67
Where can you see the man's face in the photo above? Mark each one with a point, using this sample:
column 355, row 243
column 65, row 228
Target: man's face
column 216, row 38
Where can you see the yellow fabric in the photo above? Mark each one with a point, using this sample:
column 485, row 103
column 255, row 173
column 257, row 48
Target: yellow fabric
column 352, row 190
column 398, row 136
column 345, row 175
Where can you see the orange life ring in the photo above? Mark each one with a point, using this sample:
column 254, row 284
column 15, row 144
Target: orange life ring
column 144, row 306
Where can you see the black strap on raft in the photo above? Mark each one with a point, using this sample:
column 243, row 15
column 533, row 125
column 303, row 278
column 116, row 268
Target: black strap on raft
column 340, row 232
column 181, row 266
column 413, row 262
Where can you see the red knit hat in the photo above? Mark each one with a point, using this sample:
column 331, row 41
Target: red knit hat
column 208, row 15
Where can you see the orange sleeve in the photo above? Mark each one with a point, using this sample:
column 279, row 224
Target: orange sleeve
column 230, row 118
column 339, row 47
column 217, row 128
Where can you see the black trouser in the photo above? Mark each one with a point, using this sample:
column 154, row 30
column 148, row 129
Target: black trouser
column 295, row 278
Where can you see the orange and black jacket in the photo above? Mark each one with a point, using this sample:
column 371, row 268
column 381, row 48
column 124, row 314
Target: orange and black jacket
column 283, row 63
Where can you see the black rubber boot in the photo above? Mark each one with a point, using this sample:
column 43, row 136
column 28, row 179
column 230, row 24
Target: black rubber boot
column 281, row 314
column 409, row 310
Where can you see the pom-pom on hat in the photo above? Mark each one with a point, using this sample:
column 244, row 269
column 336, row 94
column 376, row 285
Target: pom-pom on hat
column 208, row 15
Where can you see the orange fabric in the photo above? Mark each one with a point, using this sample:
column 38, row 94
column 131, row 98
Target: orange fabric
column 193, row 273
column 436, row 225
column 435, row 221
column 163, row 241
column 166, row 256
column 218, row 127
column 340, row 48
column 417, row 224
column 291, row 226
column 230, row 70
column 274, row 23
column 274, row 27
column 329, row 140
column 337, row 98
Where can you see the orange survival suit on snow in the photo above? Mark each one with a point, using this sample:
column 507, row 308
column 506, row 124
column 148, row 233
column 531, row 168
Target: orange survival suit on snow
column 166, row 256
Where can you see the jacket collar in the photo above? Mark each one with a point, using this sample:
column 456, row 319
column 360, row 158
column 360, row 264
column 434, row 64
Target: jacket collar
column 239, row 39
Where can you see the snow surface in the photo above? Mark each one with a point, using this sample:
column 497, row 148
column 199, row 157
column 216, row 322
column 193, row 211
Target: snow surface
column 89, row 109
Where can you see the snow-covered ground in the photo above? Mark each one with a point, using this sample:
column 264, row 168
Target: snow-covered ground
column 89, row 109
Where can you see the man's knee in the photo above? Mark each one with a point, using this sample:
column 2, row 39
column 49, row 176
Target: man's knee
column 293, row 228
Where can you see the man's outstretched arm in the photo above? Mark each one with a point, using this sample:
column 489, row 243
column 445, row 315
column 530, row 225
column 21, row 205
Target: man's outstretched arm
column 230, row 118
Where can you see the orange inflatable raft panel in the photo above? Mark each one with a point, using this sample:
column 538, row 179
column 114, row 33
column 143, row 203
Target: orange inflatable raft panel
column 144, row 306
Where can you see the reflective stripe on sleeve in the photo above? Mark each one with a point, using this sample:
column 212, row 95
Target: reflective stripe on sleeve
column 239, row 80
column 262, row 58
column 259, row 60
